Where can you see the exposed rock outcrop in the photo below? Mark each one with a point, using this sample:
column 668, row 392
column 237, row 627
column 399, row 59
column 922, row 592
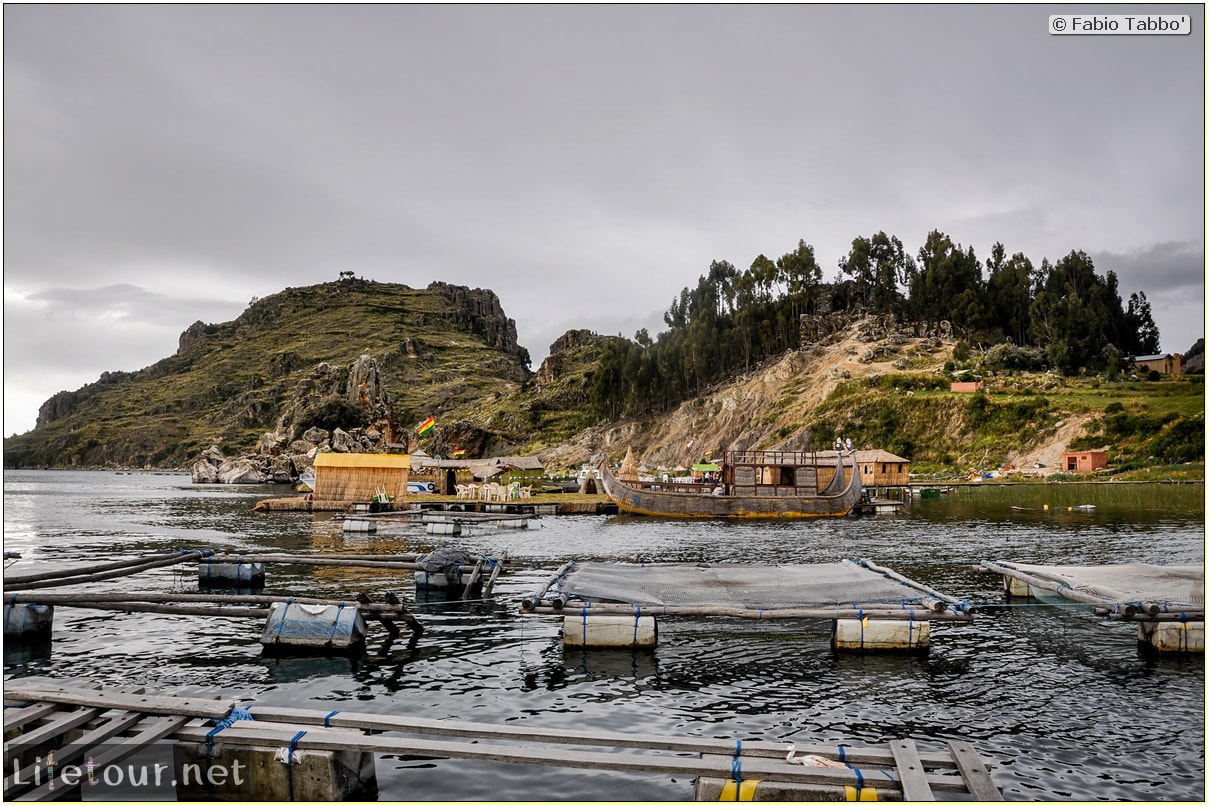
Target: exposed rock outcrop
column 552, row 367
column 58, row 405
column 353, row 401
column 479, row 311
column 192, row 335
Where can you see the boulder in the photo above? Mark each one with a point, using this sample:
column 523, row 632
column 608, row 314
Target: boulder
column 316, row 436
column 342, row 442
column 243, row 470
column 204, row 472
column 281, row 470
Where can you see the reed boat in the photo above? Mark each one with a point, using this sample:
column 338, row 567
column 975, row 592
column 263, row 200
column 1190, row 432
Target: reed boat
column 753, row 484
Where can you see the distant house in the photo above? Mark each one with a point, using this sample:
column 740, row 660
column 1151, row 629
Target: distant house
column 965, row 386
column 1084, row 461
column 1166, row 363
column 448, row 473
column 883, row 469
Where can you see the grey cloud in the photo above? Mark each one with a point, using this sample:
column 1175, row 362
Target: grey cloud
column 584, row 162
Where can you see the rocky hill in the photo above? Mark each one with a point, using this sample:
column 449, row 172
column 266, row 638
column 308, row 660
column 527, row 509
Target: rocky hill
column 887, row 385
column 290, row 362
column 355, row 365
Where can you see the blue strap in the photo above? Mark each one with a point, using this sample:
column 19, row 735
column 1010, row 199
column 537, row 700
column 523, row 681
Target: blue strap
column 327, row 719
column 289, row 762
column 637, row 615
column 860, row 779
column 12, row 608
column 841, row 748
column 336, row 623
column 210, row 740
column 237, row 713
column 736, row 768
column 281, row 624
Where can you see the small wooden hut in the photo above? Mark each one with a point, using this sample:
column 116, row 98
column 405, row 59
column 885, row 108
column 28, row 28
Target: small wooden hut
column 883, row 469
column 351, row 478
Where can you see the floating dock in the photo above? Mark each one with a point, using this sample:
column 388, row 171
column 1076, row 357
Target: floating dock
column 878, row 506
column 325, row 754
column 1166, row 601
column 301, row 623
column 450, row 504
column 871, row 608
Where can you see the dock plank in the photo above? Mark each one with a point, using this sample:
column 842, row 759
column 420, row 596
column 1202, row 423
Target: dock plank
column 70, row 753
column 133, row 719
column 250, row 733
column 144, row 703
column 910, row 771
column 445, row 727
column 973, row 771
column 61, row 722
column 20, row 716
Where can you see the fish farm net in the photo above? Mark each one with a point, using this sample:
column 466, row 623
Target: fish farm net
column 1181, row 586
column 750, row 587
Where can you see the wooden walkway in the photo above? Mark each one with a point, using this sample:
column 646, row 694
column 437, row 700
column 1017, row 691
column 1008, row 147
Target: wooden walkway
column 550, row 505
column 40, row 712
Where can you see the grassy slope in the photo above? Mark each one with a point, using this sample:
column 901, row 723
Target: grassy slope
column 938, row 430
column 229, row 388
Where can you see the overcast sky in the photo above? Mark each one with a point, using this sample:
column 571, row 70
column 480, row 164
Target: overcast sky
column 168, row 163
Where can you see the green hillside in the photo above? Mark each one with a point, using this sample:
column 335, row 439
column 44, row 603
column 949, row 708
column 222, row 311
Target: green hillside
column 450, row 352
column 443, row 351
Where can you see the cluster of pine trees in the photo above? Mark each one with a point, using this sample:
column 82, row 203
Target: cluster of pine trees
column 1063, row 315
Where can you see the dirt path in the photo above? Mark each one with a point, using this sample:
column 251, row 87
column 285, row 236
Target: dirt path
column 1050, row 452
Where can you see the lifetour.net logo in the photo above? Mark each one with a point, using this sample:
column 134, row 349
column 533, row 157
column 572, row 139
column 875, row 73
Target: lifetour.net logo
column 117, row 772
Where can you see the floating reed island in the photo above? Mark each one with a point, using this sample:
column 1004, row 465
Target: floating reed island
column 373, row 483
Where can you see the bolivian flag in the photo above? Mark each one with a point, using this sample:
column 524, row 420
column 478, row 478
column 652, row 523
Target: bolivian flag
column 426, row 426
column 458, row 454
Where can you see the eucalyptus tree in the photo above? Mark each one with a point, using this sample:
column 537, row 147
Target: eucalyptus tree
column 948, row 284
column 1141, row 325
column 1010, row 284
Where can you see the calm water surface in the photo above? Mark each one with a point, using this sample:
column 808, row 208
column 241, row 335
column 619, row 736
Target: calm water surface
column 1063, row 703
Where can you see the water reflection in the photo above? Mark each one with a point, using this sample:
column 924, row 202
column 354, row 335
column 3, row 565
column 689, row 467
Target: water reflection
column 1049, row 694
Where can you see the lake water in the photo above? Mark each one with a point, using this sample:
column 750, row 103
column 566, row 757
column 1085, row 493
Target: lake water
column 1061, row 702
